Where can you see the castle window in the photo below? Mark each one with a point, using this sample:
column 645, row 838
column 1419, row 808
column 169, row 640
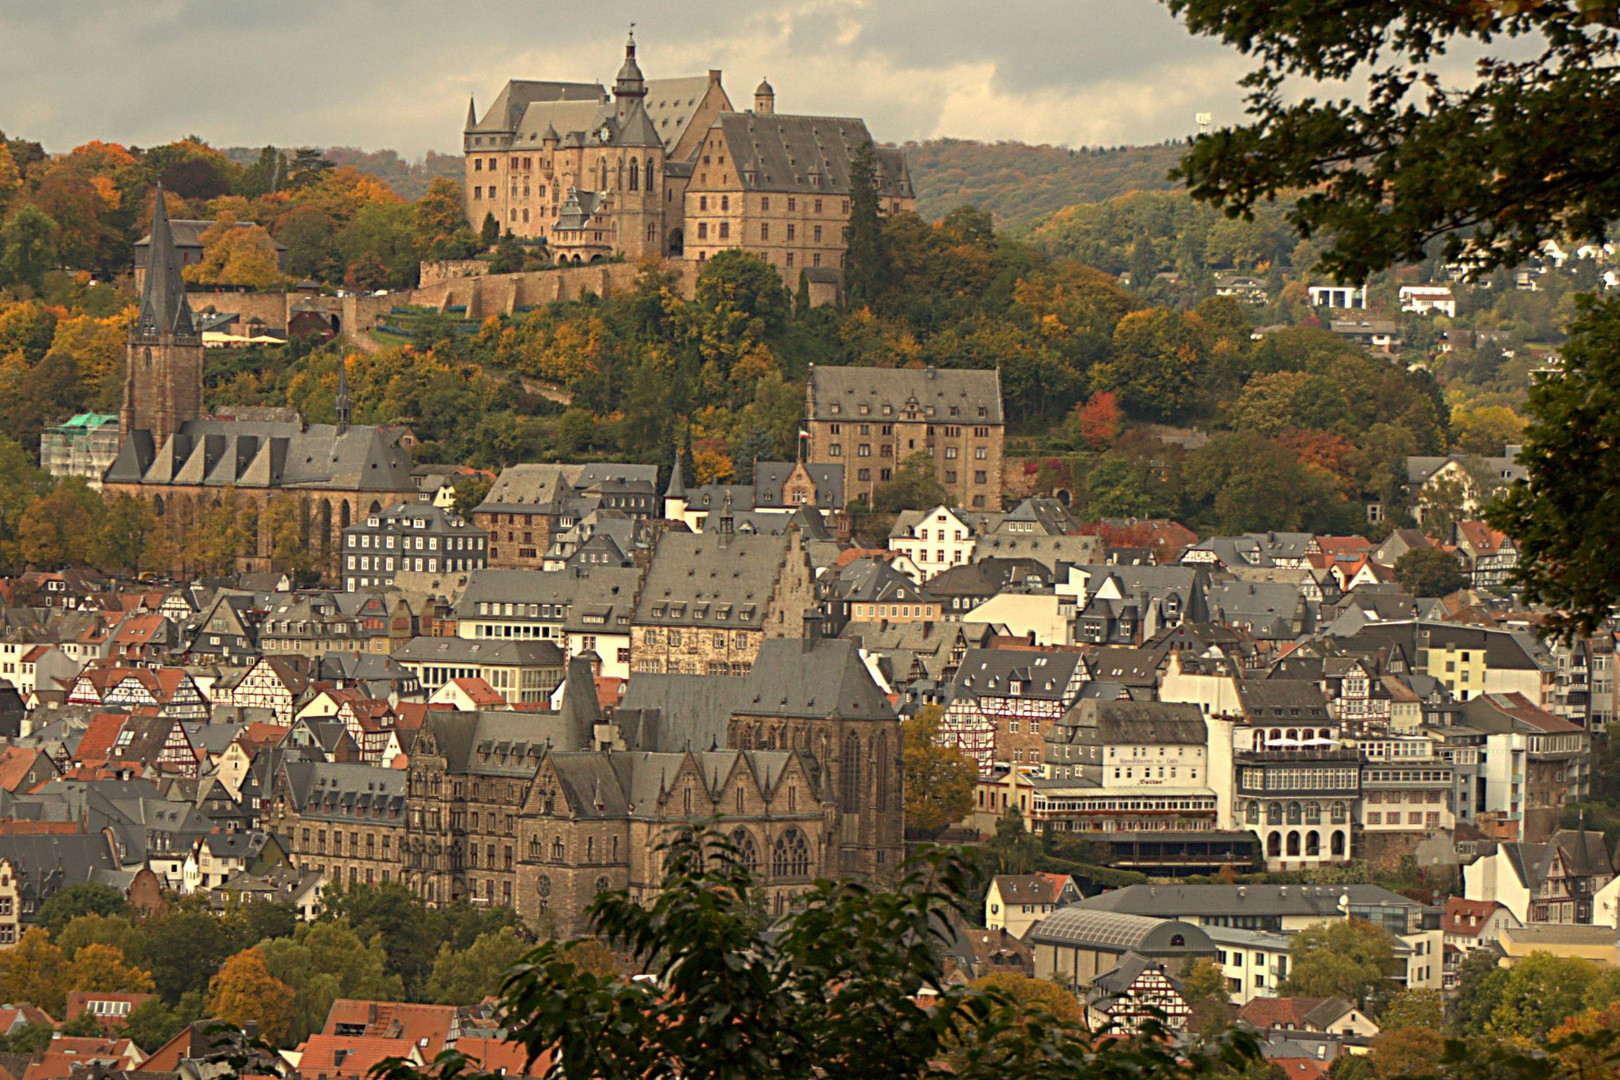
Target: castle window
column 725, row 202
column 725, row 230
column 793, row 204
column 818, row 234
column 792, row 234
column 846, row 206
column 703, row 202
column 703, row 230
column 765, row 202
column 815, row 259
column 765, row 230
column 790, row 254
column 478, row 163
column 818, row 201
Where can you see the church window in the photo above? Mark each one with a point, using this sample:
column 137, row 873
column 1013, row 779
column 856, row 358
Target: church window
column 791, row 858
column 635, row 175
column 649, row 172
column 559, row 850
column 850, row 781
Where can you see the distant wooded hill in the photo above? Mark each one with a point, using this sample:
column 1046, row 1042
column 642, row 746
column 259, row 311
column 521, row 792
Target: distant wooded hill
column 1022, row 184
column 1019, row 184
column 409, row 179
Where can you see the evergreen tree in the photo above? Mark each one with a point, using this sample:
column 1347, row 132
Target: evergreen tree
column 508, row 256
column 801, row 297
column 756, row 446
column 490, row 232
column 866, row 265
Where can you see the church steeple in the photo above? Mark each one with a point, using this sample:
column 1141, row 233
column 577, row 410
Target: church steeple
column 630, row 84
column 472, row 115
column 164, row 309
column 163, row 376
column 343, row 397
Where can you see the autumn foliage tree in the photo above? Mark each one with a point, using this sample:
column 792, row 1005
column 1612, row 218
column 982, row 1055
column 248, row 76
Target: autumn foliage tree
column 245, row 992
column 1097, row 420
column 939, row 780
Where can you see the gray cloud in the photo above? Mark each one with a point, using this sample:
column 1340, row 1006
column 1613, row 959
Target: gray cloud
column 395, row 73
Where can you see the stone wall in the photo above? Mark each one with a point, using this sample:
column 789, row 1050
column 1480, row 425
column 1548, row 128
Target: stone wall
column 487, row 294
column 449, row 269
column 268, row 308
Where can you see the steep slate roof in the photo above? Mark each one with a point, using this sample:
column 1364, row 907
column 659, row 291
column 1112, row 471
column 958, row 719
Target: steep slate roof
column 701, row 579
column 1140, row 722
column 826, row 677
column 164, row 309
column 265, row 454
column 671, row 713
column 449, row 650
column 1042, row 676
column 941, row 389
column 1276, row 700
column 344, row 791
column 807, row 154
column 769, row 476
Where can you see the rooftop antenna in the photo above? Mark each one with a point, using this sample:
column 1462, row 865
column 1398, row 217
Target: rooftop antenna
column 1203, row 119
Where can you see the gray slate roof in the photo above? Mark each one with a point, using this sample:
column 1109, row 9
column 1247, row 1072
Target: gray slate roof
column 824, row 678
column 940, row 389
column 807, row 154
column 704, row 579
column 268, row 454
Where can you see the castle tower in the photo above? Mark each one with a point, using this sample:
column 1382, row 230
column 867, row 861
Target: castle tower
column 637, row 155
column 164, row 358
column 764, row 99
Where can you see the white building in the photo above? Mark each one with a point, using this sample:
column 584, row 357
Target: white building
column 1255, row 962
column 941, row 540
column 1338, row 296
column 1429, row 300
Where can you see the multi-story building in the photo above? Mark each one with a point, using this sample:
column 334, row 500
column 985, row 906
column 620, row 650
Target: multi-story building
column 410, row 538
column 1532, row 764
column 712, row 598
column 1004, row 702
column 82, row 446
column 522, row 672
column 312, row 625
column 581, row 610
column 870, row 420
column 345, row 821
column 529, row 506
column 778, row 186
column 668, row 167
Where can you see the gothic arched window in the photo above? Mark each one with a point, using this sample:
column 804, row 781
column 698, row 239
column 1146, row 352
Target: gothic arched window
column 791, row 858
column 559, row 850
column 635, row 175
column 850, row 782
column 747, row 853
column 649, row 176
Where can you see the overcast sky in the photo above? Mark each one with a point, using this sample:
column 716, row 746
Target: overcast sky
column 396, row 73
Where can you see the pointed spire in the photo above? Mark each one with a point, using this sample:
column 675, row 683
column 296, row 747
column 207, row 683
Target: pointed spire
column 630, row 84
column 472, row 114
column 343, row 396
column 164, row 309
column 677, row 481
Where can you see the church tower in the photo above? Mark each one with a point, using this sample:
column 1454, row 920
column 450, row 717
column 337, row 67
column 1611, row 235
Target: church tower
column 164, row 360
column 635, row 188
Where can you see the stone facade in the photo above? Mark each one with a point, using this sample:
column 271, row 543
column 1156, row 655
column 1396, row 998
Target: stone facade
column 870, row 420
column 695, row 624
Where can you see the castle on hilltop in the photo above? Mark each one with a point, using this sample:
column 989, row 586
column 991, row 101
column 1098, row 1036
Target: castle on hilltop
column 667, row 167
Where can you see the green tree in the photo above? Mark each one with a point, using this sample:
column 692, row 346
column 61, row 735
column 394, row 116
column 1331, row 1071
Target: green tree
column 95, row 929
column 27, row 248
column 1429, row 571
column 508, row 256
column 833, row 992
column 1540, row 992
column 119, row 542
column 410, row 934
column 938, row 780
column 913, row 487
column 32, row 971
column 1414, row 1007
column 1424, row 157
column 1204, row 988
column 185, row 948
column 84, row 898
column 467, row 976
column 1348, row 958
column 866, row 261
column 325, row 961
column 1480, row 983
column 1560, row 518
column 489, row 234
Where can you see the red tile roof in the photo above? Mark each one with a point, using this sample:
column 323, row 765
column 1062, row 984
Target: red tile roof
column 1467, row 917
column 351, row 1055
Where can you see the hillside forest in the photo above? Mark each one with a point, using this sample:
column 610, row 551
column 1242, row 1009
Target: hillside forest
column 1158, row 399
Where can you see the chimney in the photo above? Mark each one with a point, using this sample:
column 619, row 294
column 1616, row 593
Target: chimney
column 812, row 629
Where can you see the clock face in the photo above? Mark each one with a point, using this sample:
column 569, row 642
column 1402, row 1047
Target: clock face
column 606, row 133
